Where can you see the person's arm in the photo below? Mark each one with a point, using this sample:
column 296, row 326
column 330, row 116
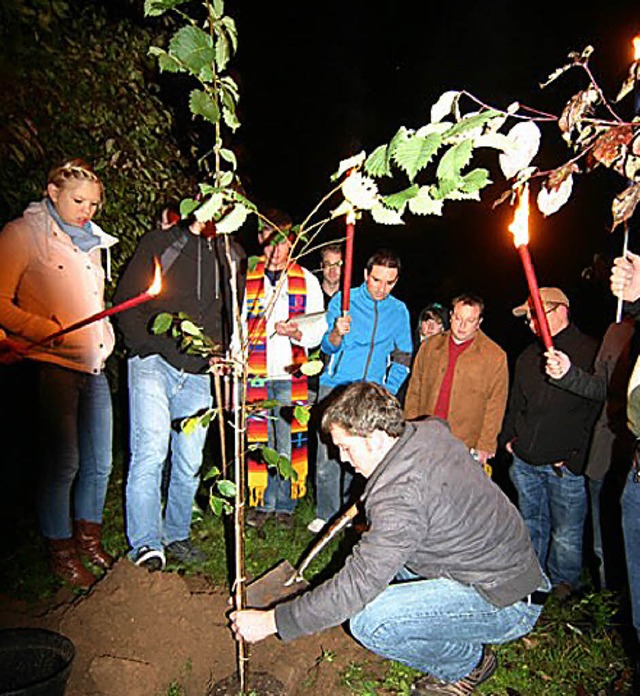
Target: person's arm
column 412, row 399
column 494, row 410
column 401, row 355
column 564, row 374
column 515, row 404
column 253, row 625
column 310, row 337
column 137, row 276
column 329, row 343
column 14, row 261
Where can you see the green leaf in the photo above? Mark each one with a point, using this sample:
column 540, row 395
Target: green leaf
column 475, row 180
column 227, row 488
column 229, row 156
column 209, row 208
column 216, row 504
column 285, row 469
column 413, row 154
column 302, row 414
column 377, row 164
column 190, row 328
column 424, row 204
column 232, row 32
column 222, row 52
column 454, row 159
column 193, row 48
column 162, row 323
column 212, row 473
column 398, row 200
column 230, row 118
column 187, row 206
column 233, row 221
column 155, row 8
column 201, row 104
column 166, row 62
column 218, row 8
column 400, row 137
column 252, row 262
column 469, row 123
column 269, row 455
column 190, row 425
column 311, row 367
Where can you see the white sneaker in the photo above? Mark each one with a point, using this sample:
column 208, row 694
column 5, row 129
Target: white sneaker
column 317, row 525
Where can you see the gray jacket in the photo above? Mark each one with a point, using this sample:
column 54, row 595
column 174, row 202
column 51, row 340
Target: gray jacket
column 431, row 508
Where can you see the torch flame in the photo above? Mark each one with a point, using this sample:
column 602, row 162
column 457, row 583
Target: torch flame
column 636, row 48
column 520, row 225
column 156, row 285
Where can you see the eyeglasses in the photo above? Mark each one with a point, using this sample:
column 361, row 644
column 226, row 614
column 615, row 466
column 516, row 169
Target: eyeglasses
column 335, row 264
column 528, row 318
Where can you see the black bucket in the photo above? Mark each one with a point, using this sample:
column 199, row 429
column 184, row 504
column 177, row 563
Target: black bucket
column 34, row 662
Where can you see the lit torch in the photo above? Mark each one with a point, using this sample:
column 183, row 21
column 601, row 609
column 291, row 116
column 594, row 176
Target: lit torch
column 152, row 291
column 520, row 230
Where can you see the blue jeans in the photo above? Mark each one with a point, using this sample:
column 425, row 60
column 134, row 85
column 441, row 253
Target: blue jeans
column 631, row 531
column 277, row 497
column 554, row 509
column 76, row 430
column 160, row 396
column 332, row 478
column 438, row 626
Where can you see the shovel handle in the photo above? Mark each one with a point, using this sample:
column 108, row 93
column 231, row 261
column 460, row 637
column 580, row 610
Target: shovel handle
column 331, row 532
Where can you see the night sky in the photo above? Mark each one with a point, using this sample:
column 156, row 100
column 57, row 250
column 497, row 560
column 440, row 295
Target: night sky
column 322, row 81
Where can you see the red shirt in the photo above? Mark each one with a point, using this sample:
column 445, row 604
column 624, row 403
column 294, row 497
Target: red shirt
column 444, row 396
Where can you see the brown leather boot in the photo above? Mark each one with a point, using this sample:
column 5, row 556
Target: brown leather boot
column 88, row 537
column 66, row 564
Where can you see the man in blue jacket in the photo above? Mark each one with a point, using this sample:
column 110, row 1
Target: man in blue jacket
column 370, row 344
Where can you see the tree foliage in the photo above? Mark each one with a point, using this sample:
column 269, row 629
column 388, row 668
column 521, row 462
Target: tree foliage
column 79, row 84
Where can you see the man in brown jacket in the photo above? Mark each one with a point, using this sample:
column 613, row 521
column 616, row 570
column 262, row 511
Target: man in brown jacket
column 461, row 375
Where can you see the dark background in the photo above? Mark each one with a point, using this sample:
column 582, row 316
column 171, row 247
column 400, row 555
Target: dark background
column 321, row 81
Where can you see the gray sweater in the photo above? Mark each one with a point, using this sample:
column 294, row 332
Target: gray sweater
column 431, row 508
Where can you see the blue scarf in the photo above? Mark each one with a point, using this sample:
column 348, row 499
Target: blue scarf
column 83, row 237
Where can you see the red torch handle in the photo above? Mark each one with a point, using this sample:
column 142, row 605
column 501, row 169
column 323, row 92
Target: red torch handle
column 348, row 269
column 127, row 304
column 534, row 293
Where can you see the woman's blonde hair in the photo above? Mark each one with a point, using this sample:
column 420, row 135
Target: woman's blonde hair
column 75, row 169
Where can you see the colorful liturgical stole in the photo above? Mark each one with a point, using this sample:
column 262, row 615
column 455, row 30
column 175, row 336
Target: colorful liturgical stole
column 258, row 423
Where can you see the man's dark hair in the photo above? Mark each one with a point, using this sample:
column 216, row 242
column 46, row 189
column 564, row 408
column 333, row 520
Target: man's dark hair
column 331, row 248
column 364, row 407
column 384, row 257
column 469, row 298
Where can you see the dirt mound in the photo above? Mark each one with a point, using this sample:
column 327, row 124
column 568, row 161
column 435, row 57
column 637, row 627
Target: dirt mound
column 137, row 633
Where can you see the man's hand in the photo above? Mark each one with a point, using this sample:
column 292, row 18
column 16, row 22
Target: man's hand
column 625, row 277
column 558, row 363
column 341, row 327
column 253, row 625
column 289, row 329
column 483, row 457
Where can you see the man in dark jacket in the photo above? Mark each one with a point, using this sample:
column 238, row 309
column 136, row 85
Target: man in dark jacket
column 547, row 430
column 167, row 385
column 445, row 566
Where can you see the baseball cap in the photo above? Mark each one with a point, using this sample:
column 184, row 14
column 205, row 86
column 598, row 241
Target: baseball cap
column 548, row 296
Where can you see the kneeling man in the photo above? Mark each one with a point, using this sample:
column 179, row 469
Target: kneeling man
column 446, row 565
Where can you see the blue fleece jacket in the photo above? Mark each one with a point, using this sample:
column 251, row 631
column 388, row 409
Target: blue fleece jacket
column 378, row 347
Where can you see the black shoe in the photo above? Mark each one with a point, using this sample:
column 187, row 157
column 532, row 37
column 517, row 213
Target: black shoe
column 256, row 518
column 185, row 552
column 430, row 686
column 284, row 520
column 151, row 559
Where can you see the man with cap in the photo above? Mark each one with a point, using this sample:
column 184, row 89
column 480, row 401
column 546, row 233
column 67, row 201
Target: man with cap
column 547, row 430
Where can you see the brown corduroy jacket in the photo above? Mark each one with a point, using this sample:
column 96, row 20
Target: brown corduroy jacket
column 478, row 393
